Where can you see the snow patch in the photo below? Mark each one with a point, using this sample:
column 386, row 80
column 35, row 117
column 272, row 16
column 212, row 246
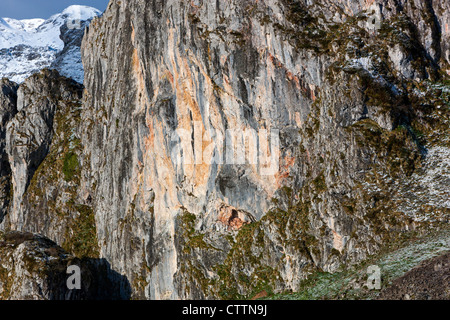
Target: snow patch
column 30, row 45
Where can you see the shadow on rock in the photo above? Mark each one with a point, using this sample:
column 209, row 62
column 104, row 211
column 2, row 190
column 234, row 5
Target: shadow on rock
column 97, row 282
column 33, row 267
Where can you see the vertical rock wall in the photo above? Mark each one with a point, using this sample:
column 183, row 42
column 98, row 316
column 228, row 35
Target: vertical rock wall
column 319, row 73
column 223, row 148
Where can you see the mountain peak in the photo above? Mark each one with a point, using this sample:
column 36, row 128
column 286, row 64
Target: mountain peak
column 83, row 12
column 29, row 45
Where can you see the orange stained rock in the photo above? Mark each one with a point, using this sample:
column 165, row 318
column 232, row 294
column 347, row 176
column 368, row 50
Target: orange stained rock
column 149, row 140
column 284, row 171
column 298, row 120
column 231, row 218
column 337, row 241
column 133, row 34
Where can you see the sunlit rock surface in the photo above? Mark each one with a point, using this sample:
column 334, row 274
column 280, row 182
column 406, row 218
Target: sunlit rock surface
column 224, row 149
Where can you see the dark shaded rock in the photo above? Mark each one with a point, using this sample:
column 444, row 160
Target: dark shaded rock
column 8, row 109
column 29, row 135
column 68, row 61
column 428, row 281
column 33, row 267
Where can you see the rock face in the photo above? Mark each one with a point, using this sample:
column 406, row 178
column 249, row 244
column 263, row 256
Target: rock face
column 8, row 108
column 336, row 83
column 35, row 268
column 30, row 134
column 43, row 149
column 224, row 149
column 41, row 170
column 68, row 60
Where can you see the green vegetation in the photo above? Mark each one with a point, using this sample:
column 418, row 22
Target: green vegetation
column 81, row 236
column 61, row 169
column 319, row 183
column 192, row 239
column 190, row 242
column 396, row 149
column 236, row 283
column 394, row 261
column 6, row 281
column 254, row 248
column 70, row 166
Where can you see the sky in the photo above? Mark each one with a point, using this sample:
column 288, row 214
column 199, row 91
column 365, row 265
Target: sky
column 28, row 9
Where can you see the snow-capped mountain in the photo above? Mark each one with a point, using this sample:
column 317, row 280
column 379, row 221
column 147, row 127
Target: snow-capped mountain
column 25, row 25
column 27, row 46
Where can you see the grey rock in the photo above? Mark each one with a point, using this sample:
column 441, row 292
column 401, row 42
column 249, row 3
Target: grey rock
column 33, row 267
column 8, row 109
column 68, row 61
column 29, row 135
column 344, row 96
column 306, row 69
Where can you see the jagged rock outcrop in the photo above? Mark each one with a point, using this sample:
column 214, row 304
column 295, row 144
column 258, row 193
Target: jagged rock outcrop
column 44, row 156
column 8, row 109
column 68, row 61
column 41, row 167
column 30, row 133
column 343, row 86
column 33, row 267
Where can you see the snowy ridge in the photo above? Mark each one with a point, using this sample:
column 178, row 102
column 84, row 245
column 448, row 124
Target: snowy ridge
column 27, row 25
column 27, row 46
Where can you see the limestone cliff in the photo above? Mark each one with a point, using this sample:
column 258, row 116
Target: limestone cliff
column 223, row 148
column 343, row 84
column 8, row 108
